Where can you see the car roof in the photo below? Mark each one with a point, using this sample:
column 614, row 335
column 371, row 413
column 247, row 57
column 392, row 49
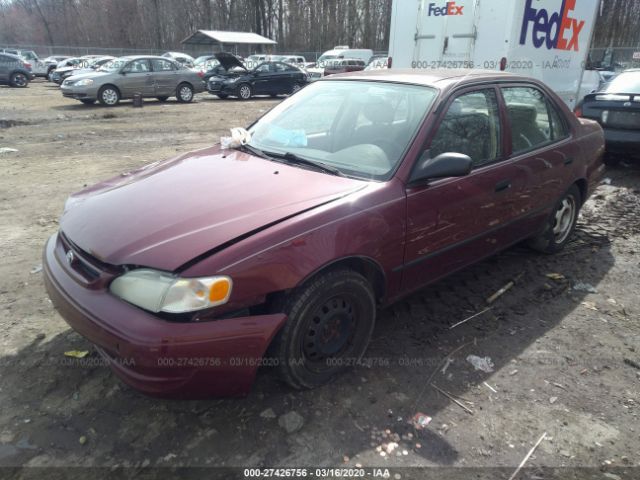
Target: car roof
column 149, row 57
column 432, row 78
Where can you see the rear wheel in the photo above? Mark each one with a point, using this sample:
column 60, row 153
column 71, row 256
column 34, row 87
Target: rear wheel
column 244, row 91
column 184, row 93
column 330, row 321
column 560, row 224
column 109, row 95
column 19, row 80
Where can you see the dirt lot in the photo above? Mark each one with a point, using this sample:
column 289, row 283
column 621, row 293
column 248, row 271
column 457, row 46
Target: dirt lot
column 563, row 357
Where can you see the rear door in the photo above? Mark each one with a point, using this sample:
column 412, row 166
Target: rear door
column 137, row 78
column 445, row 33
column 263, row 82
column 453, row 222
column 165, row 75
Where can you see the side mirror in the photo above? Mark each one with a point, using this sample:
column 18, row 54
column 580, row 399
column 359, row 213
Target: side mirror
column 445, row 165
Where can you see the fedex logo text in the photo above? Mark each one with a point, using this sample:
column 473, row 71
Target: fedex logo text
column 552, row 30
column 450, row 8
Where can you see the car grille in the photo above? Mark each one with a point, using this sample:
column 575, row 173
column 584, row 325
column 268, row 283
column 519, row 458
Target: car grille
column 623, row 120
column 93, row 271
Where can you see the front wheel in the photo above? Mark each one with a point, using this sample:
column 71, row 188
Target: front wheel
column 244, row 91
column 330, row 321
column 19, row 80
column 109, row 96
column 184, row 93
column 162, row 99
column 87, row 101
column 560, row 224
column 222, row 96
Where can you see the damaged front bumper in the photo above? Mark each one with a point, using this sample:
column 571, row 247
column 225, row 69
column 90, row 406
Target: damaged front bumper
column 155, row 356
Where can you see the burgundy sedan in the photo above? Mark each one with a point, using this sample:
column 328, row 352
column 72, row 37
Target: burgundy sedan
column 190, row 273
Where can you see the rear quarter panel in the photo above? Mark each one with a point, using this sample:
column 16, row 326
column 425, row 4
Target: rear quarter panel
column 590, row 138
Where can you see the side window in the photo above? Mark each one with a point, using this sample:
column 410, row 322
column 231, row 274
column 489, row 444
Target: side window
column 471, row 126
column 137, row 66
column 558, row 126
column 264, row 68
column 162, row 65
column 529, row 114
column 281, row 67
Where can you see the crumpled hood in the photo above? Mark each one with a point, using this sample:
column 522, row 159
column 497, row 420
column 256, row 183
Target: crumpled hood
column 166, row 214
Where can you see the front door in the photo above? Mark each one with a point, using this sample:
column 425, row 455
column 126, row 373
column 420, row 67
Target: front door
column 137, row 78
column 453, row 222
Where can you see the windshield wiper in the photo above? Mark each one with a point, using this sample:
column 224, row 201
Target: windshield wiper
column 254, row 151
column 293, row 158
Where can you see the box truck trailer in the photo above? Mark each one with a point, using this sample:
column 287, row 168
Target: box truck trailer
column 545, row 39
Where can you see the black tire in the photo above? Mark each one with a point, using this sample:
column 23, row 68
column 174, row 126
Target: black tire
column 330, row 321
column 87, row 101
column 18, row 80
column 244, row 91
column 162, row 99
column 222, row 96
column 109, row 95
column 184, row 93
column 560, row 225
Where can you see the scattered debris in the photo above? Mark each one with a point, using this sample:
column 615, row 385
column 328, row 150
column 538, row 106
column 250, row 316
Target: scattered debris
column 631, row 363
column 82, row 440
column 556, row 277
column 559, row 386
column 36, row 269
column 484, row 364
column 420, row 421
column 291, row 422
column 606, row 181
column 584, row 287
column 513, row 372
column 268, row 413
column 489, row 387
column 500, row 292
column 533, row 449
column 590, row 306
column 5, row 150
column 453, row 399
column 470, row 318
column 553, row 400
column 76, row 353
column 446, row 365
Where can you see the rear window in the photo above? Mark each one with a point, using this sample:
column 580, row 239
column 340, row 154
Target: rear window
column 626, row 82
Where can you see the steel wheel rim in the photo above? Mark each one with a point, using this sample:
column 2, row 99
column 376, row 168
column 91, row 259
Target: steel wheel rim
column 330, row 332
column 20, row 80
column 245, row 92
column 564, row 219
column 186, row 93
column 110, row 96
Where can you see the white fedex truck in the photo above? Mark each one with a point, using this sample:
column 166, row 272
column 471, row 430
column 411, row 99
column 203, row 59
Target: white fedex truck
column 545, row 39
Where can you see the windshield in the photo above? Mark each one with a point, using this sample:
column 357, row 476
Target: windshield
column 360, row 128
column 626, row 82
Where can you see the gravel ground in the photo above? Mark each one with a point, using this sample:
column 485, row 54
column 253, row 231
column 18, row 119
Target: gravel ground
column 564, row 350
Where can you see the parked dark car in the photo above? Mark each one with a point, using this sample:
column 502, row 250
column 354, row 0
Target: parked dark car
column 14, row 71
column 344, row 65
column 617, row 108
column 268, row 78
column 349, row 195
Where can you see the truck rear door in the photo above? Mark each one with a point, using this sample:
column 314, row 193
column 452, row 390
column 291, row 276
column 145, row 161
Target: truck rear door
column 445, row 34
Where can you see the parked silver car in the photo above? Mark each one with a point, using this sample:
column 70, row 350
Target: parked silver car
column 125, row 77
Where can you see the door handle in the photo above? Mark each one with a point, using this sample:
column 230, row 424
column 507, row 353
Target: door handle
column 568, row 161
column 503, row 185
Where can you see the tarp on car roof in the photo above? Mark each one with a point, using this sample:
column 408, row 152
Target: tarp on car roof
column 221, row 37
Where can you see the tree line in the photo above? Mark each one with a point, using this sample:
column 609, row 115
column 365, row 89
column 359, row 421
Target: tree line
column 297, row 25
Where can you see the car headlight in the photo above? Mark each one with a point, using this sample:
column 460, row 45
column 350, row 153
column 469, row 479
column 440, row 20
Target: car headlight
column 84, row 83
column 161, row 292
